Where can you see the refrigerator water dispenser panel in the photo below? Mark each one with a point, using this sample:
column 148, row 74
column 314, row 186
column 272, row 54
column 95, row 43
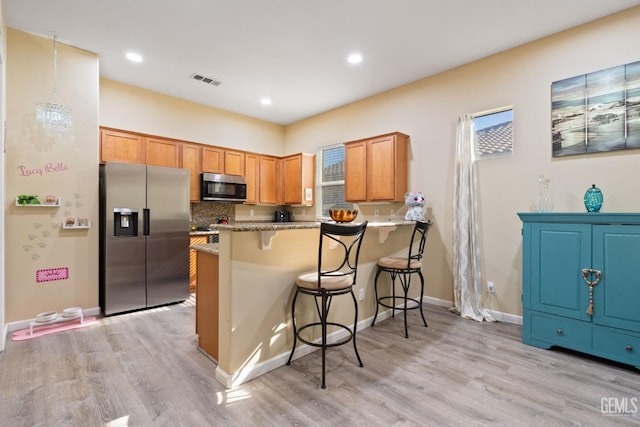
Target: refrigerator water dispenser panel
column 125, row 222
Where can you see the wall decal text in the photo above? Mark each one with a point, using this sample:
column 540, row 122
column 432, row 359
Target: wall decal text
column 49, row 167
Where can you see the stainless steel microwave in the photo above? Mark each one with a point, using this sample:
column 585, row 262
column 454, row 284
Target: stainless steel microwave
column 223, row 188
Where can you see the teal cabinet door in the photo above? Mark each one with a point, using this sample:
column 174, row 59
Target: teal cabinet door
column 616, row 298
column 559, row 252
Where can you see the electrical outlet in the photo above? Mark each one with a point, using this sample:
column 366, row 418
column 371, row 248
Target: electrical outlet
column 491, row 287
column 361, row 294
column 251, row 212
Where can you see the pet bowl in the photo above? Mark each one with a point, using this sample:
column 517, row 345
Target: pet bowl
column 71, row 312
column 47, row 316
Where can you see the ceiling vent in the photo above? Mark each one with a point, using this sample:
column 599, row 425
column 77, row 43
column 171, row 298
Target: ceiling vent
column 203, row 79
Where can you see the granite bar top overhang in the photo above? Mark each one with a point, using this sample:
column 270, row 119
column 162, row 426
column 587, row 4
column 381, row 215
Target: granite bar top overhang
column 298, row 225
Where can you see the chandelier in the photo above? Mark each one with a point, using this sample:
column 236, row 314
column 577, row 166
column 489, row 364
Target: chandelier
column 52, row 116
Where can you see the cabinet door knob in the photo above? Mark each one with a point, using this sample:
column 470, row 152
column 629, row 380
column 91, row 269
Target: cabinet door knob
column 559, row 331
column 628, row 348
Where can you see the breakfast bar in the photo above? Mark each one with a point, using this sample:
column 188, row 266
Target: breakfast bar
column 246, row 327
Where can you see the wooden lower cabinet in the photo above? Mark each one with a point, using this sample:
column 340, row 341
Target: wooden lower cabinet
column 193, row 260
column 207, row 302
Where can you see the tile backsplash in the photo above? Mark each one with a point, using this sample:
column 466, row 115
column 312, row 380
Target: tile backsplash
column 205, row 213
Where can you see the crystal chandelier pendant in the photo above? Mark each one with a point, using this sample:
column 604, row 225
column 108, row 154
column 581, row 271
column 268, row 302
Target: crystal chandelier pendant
column 53, row 117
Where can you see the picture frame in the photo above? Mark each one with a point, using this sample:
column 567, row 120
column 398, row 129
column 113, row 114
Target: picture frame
column 596, row 112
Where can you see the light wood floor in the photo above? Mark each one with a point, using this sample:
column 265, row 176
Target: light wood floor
column 143, row 369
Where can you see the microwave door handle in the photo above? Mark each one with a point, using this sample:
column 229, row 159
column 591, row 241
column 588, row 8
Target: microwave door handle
column 145, row 222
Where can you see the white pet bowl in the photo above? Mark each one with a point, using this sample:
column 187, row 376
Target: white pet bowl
column 46, row 316
column 71, row 312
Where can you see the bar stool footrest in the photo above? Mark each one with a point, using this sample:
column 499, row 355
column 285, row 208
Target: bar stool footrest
column 399, row 307
column 332, row 344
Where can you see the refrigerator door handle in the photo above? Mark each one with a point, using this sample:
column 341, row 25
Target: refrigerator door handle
column 145, row 222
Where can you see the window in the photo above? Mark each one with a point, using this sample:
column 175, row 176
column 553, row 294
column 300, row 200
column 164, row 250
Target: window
column 330, row 182
column 493, row 133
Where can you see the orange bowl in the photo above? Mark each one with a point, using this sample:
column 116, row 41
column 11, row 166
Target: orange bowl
column 343, row 215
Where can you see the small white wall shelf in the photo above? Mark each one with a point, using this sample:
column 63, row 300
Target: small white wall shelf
column 40, row 205
column 76, row 225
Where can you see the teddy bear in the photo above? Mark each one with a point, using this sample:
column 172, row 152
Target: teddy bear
column 415, row 204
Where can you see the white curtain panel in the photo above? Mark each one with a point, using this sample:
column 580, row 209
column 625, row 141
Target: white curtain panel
column 467, row 279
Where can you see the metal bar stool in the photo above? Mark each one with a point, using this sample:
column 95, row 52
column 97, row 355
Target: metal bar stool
column 403, row 268
column 335, row 275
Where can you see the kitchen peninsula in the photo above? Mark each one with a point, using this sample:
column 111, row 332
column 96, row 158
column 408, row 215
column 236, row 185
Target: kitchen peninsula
column 247, row 279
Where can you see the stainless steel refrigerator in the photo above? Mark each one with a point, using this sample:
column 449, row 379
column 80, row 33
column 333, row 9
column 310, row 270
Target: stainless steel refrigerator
column 144, row 236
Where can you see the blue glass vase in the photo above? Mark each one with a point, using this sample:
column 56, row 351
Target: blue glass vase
column 593, row 199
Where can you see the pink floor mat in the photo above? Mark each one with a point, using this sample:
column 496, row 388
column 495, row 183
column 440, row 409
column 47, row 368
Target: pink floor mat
column 39, row 331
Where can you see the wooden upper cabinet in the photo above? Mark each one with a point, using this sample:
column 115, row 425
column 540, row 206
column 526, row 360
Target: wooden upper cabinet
column 118, row 146
column 252, row 175
column 219, row 160
column 162, row 152
column 234, row 162
column 269, row 180
column 298, row 179
column 376, row 168
column 192, row 160
column 212, row 159
column 355, row 165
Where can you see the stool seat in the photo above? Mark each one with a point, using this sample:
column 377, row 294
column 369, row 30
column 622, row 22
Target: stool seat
column 330, row 282
column 399, row 263
column 403, row 268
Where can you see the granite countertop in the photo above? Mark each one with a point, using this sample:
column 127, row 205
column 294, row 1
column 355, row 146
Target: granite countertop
column 210, row 248
column 300, row 225
column 213, row 248
column 204, row 233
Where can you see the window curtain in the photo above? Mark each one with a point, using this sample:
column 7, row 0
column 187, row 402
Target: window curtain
column 467, row 279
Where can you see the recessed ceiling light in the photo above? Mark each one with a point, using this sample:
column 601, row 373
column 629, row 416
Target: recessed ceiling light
column 134, row 57
column 265, row 101
column 354, row 58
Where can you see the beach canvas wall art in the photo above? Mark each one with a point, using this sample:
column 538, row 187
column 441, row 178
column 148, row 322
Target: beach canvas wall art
column 596, row 112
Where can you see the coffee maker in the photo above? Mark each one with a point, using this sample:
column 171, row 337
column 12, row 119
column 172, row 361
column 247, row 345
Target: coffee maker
column 282, row 216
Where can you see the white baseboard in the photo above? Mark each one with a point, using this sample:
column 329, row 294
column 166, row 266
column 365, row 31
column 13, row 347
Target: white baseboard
column 498, row 315
column 3, row 338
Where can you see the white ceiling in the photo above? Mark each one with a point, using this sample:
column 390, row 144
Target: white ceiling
column 293, row 51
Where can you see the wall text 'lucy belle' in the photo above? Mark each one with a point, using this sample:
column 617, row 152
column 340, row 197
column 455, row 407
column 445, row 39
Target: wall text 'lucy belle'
column 47, row 168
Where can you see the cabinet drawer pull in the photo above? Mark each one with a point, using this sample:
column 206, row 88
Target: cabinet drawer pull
column 628, row 348
column 559, row 331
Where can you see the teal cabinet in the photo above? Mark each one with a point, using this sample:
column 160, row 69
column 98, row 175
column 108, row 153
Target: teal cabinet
column 580, row 286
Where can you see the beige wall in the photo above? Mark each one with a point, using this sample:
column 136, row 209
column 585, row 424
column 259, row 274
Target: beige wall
column 135, row 109
column 427, row 110
column 33, row 237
